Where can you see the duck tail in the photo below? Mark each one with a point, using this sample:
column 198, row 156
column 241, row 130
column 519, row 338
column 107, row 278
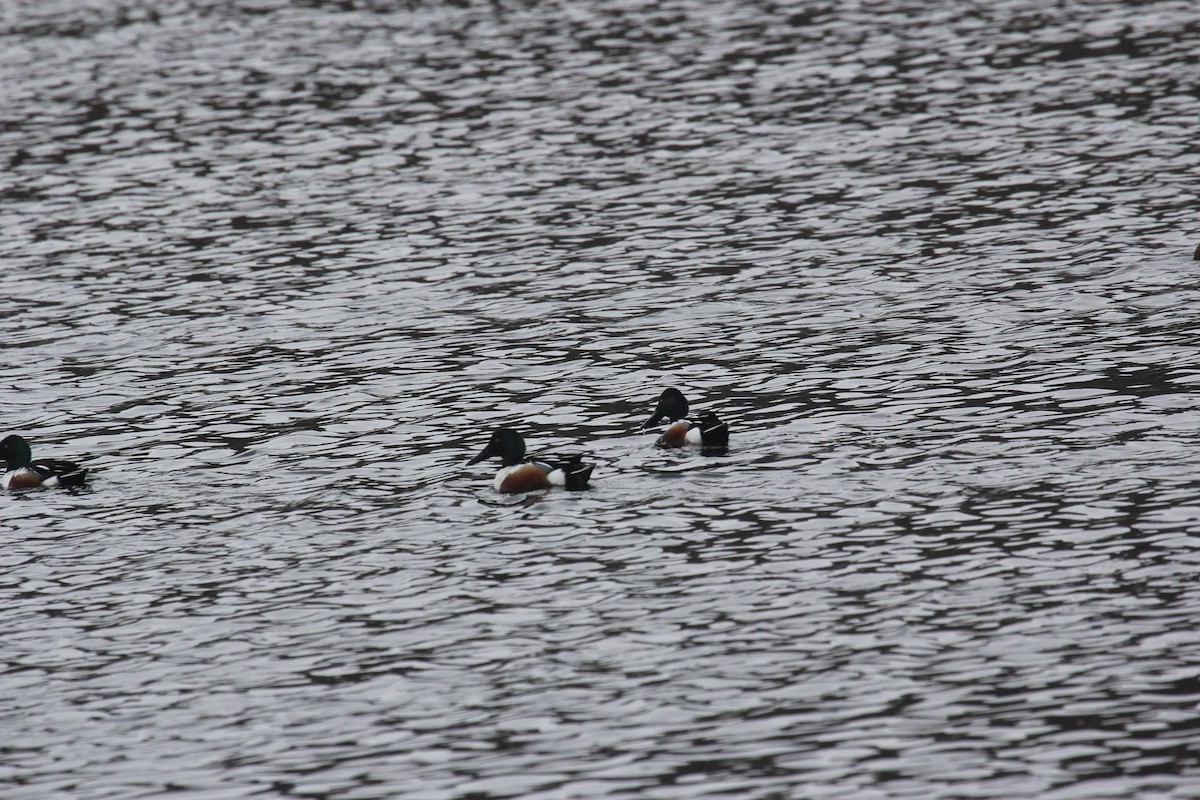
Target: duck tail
column 713, row 432
column 65, row 473
column 576, row 474
column 76, row 477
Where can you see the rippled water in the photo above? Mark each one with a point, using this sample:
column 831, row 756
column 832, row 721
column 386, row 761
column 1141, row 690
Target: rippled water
column 276, row 271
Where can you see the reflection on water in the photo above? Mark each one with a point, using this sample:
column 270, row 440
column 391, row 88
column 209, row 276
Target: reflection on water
column 277, row 271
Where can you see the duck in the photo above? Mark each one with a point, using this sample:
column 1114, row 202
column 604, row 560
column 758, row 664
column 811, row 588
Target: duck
column 22, row 472
column 519, row 474
column 708, row 431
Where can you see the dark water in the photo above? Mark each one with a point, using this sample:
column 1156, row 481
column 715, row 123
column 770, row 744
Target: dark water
column 277, row 270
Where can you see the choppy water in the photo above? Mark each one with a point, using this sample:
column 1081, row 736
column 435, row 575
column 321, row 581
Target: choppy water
column 277, row 270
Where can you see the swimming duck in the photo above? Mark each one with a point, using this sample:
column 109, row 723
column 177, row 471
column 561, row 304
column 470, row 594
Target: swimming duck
column 520, row 475
column 22, row 472
column 709, row 431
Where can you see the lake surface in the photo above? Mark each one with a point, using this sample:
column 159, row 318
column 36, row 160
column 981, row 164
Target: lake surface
column 275, row 271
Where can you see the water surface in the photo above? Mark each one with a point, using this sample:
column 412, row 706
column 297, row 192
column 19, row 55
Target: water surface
column 277, row 270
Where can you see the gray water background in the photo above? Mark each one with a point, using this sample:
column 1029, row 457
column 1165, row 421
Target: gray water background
column 275, row 270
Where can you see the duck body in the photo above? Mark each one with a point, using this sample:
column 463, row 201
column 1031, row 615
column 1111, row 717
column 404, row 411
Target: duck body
column 521, row 478
column 708, row 431
column 680, row 434
column 22, row 472
column 520, row 475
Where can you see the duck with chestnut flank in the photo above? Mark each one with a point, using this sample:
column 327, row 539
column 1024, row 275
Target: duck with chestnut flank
column 519, row 474
column 708, row 431
column 22, row 472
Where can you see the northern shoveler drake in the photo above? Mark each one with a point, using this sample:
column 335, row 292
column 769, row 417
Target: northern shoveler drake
column 520, row 475
column 22, row 472
column 709, row 431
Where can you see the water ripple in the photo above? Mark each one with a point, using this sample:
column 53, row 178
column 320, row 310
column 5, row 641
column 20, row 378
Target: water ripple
column 276, row 270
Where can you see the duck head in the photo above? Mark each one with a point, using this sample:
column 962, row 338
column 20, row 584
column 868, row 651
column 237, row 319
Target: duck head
column 506, row 444
column 16, row 452
column 671, row 405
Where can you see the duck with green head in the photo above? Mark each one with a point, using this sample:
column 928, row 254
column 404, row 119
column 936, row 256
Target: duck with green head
column 519, row 475
column 708, row 431
column 22, row 472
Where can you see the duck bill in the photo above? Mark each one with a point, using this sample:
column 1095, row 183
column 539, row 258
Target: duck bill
column 655, row 418
column 487, row 453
